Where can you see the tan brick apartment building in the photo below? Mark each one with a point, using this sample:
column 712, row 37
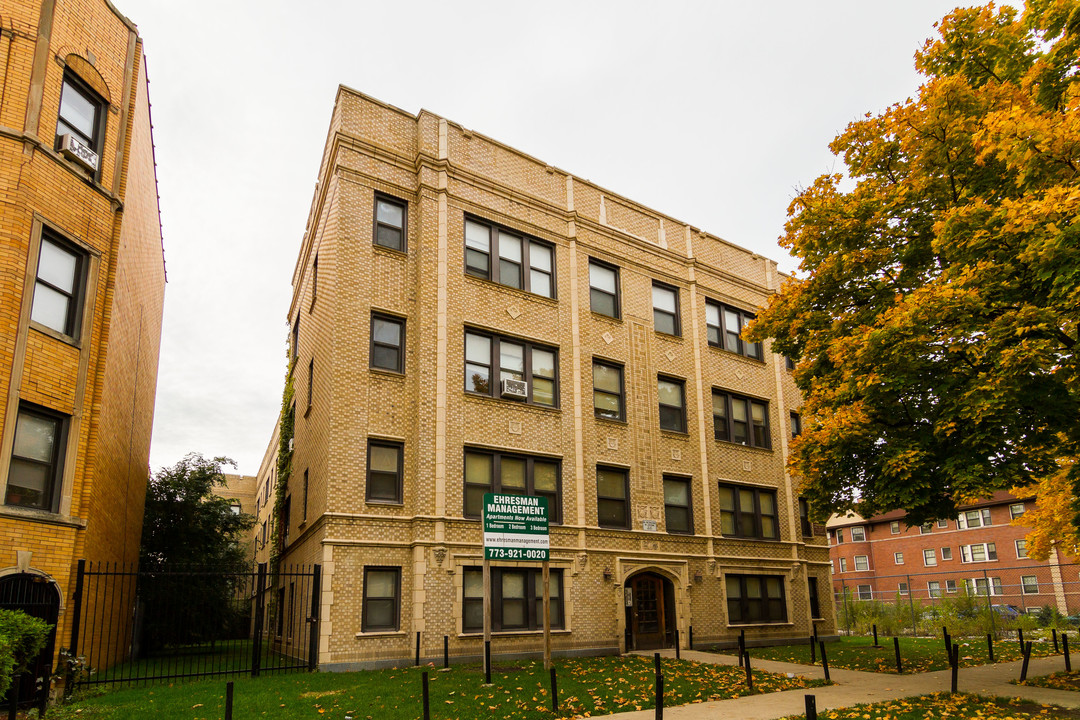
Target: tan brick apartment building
column 80, row 297
column 467, row 319
column 979, row 552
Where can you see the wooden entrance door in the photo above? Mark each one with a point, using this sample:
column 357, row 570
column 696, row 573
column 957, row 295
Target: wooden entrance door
column 647, row 615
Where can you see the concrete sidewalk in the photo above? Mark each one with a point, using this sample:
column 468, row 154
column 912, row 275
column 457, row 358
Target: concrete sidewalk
column 853, row 687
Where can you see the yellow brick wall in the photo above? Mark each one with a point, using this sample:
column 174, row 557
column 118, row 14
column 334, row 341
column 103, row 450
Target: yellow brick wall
column 375, row 148
column 106, row 379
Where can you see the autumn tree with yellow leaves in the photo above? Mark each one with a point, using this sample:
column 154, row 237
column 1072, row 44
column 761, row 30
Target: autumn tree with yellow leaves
column 935, row 317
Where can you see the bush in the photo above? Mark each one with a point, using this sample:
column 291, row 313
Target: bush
column 21, row 639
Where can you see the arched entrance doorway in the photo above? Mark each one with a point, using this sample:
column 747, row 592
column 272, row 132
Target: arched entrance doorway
column 650, row 612
column 37, row 597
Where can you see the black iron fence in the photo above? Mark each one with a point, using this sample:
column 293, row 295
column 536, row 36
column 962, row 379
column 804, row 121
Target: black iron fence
column 135, row 625
column 980, row 595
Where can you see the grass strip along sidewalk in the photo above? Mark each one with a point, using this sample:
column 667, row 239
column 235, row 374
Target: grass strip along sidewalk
column 949, row 705
column 918, row 654
column 1055, row 681
column 593, row 686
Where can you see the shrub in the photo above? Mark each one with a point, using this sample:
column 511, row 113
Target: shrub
column 21, row 639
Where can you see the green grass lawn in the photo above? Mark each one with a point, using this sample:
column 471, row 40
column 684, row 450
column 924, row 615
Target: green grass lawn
column 586, row 685
column 1057, row 681
column 918, row 654
column 947, row 705
column 222, row 658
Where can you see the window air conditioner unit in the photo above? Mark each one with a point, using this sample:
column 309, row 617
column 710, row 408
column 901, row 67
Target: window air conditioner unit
column 515, row 389
column 75, row 149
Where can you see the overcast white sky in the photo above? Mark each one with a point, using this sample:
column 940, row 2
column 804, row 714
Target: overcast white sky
column 711, row 112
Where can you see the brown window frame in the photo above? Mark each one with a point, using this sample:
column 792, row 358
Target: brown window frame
column 54, row 468
column 494, row 271
column 722, row 340
column 400, row 322
column 771, row 609
column 689, row 507
column 533, row 601
column 495, row 485
column 395, row 600
column 616, row 297
column 624, row 500
column 403, row 205
column 494, row 367
column 725, row 431
column 675, row 318
column 815, row 601
column 399, row 474
column 805, row 525
column 738, row 519
column 621, row 417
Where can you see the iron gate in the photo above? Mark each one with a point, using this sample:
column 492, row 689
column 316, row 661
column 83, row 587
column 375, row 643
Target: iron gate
column 145, row 625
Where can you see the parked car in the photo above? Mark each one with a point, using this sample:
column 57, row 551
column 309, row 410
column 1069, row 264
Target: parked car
column 1009, row 612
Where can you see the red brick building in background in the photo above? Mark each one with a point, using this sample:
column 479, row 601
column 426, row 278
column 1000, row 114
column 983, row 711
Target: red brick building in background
column 979, row 551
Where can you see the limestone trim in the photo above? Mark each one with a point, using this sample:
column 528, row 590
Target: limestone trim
column 130, row 78
column 36, row 92
column 16, row 570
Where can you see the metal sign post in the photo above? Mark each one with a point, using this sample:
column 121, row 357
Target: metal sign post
column 516, row 528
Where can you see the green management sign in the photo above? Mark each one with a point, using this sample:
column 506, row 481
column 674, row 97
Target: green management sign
column 515, row 527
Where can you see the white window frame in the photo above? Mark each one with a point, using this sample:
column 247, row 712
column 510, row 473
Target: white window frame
column 981, row 519
column 946, row 553
column 929, row 557
column 988, row 552
column 1016, row 510
column 950, row 586
column 898, row 558
column 943, row 523
column 894, row 527
column 1024, row 584
column 1021, row 548
column 858, row 530
column 865, row 563
column 902, row 588
column 933, row 588
column 843, row 565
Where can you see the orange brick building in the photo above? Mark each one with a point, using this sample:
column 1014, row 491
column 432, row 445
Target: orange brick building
column 81, row 297
column 469, row 319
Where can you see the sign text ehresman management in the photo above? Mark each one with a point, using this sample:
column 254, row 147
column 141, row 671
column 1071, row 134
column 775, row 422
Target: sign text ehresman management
column 515, row 527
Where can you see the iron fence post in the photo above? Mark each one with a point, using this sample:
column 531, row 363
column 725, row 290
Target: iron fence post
column 256, row 643
column 313, row 621
column 989, row 607
column 76, row 620
column 911, row 603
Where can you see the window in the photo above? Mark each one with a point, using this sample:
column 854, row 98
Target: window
column 294, row 342
column 604, row 289
column 612, row 497
column 303, row 517
column 839, row 536
column 724, row 325
column 280, row 611
column 755, row 599
column 929, row 559
column 608, row 392
column 310, row 380
column 933, row 588
column 858, row 534
column 979, row 552
column 384, row 476
column 865, row 592
column 898, row 558
column 388, row 343
column 741, row 420
column 37, row 459
column 519, row 261
column 946, row 553
column 81, row 115
column 488, row 357
column 894, row 527
column 950, row 586
column 973, row 519
column 314, row 279
column 1021, row 549
column 902, row 588
column 58, row 290
column 391, row 217
column 1030, row 584
column 677, row 512
column 924, row 529
column 495, row 472
column 943, row 523
column 843, row 565
column 672, row 394
column 804, row 518
column 789, row 363
column 796, row 425
column 749, row 512
column 862, row 563
column 815, row 606
column 984, row 586
column 1016, row 510
column 665, row 302
column 382, row 599
column 517, row 599
column 286, row 520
